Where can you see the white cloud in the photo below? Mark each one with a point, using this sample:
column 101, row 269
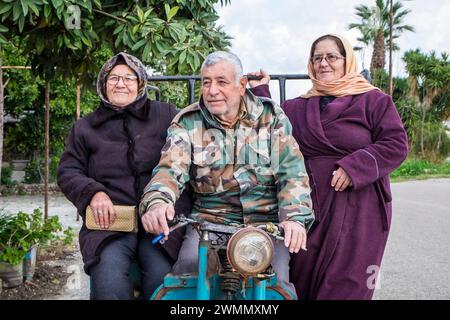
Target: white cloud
column 276, row 35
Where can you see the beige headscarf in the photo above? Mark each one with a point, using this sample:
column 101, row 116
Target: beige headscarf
column 351, row 83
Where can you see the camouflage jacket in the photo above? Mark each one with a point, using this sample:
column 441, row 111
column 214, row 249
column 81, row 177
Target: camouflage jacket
column 251, row 173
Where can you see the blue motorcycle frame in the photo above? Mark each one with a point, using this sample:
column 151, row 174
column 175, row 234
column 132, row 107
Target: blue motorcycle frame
column 204, row 286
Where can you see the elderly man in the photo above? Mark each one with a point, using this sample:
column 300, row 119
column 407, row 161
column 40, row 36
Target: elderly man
column 237, row 152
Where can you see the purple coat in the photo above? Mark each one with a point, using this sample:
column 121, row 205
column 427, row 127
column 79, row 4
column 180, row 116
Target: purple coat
column 364, row 135
column 115, row 151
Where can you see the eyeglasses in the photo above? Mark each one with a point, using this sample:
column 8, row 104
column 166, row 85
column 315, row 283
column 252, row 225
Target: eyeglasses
column 127, row 79
column 329, row 57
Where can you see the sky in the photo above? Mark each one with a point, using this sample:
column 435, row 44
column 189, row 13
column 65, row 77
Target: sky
column 276, row 35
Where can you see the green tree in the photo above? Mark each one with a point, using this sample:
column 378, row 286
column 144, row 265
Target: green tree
column 429, row 91
column 374, row 29
column 24, row 99
column 62, row 39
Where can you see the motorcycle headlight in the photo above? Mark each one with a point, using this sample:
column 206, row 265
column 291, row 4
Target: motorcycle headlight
column 250, row 251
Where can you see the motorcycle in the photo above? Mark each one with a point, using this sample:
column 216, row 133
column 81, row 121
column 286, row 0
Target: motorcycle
column 234, row 264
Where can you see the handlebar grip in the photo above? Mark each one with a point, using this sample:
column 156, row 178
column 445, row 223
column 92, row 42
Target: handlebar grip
column 158, row 238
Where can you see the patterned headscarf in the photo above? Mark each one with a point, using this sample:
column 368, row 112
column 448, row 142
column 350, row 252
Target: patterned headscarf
column 133, row 63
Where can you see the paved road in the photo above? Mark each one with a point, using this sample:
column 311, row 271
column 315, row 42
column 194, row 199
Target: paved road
column 416, row 264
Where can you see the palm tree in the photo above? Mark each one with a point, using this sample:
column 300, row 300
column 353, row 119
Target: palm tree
column 428, row 78
column 374, row 28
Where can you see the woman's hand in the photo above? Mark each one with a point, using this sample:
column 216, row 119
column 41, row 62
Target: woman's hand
column 294, row 236
column 341, row 180
column 103, row 209
column 261, row 73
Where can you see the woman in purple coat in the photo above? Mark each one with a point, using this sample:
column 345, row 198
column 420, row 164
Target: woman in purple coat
column 109, row 157
column 352, row 137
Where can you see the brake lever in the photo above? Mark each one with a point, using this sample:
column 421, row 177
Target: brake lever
column 176, row 223
column 275, row 231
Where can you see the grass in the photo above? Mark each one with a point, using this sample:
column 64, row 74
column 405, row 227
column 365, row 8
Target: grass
column 417, row 169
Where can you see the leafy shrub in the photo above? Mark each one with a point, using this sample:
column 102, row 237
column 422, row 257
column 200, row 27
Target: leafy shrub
column 411, row 117
column 34, row 172
column 436, row 142
column 20, row 232
column 6, row 179
column 416, row 167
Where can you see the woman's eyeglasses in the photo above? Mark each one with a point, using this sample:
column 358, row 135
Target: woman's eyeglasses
column 127, row 79
column 330, row 58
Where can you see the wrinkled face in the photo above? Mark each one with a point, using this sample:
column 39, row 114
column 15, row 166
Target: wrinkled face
column 221, row 94
column 121, row 86
column 327, row 70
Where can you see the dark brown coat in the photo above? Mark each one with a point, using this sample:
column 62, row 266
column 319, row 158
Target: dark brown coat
column 115, row 151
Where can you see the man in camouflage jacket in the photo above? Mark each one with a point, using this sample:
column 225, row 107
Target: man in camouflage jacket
column 237, row 152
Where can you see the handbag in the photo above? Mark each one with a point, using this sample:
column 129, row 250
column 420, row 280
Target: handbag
column 126, row 219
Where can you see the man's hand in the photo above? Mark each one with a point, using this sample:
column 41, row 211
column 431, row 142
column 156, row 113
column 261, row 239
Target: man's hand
column 103, row 209
column 155, row 219
column 261, row 73
column 294, row 236
column 341, row 180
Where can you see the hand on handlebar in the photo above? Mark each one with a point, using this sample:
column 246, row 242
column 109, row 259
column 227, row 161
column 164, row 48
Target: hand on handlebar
column 294, row 236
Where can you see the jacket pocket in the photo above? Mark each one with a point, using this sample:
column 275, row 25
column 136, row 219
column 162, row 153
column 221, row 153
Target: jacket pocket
column 208, row 155
column 206, row 168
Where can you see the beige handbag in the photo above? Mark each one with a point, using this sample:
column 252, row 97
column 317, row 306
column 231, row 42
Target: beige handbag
column 126, row 219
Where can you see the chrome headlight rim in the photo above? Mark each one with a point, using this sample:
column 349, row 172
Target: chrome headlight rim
column 239, row 238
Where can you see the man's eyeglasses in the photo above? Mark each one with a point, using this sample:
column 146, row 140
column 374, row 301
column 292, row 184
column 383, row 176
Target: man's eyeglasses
column 127, row 79
column 330, row 58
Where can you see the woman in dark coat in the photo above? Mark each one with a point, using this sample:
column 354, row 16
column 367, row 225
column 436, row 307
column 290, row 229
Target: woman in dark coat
column 352, row 137
column 109, row 158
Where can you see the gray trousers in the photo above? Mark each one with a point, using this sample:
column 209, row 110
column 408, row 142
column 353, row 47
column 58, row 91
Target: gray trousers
column 110, row 277
column 188, row 258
